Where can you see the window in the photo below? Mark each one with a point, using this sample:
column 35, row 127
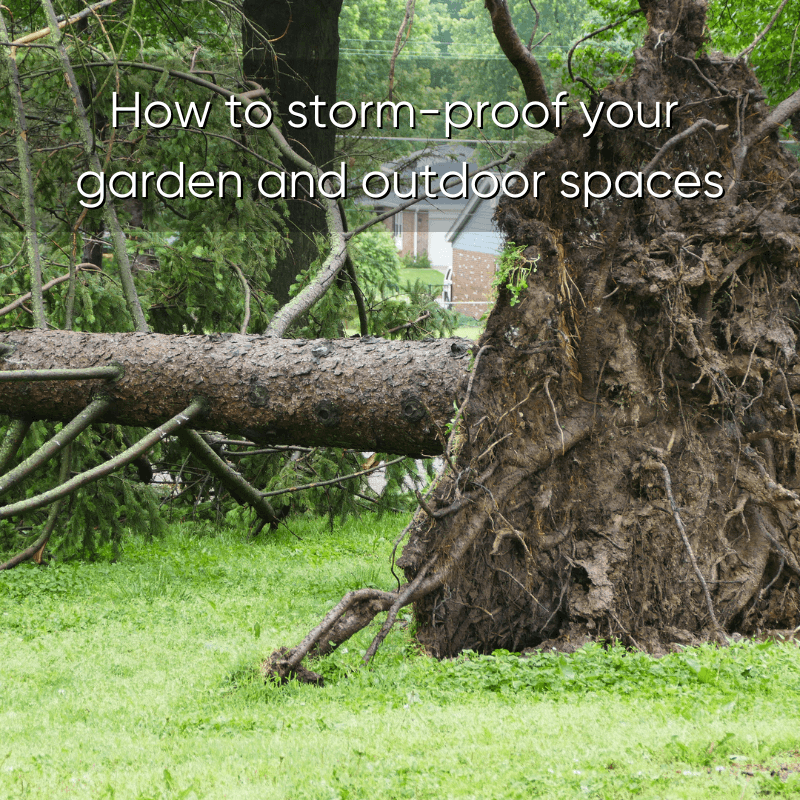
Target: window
column 397, row 225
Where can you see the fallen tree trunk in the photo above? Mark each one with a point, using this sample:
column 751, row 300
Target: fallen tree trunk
column 366, row 394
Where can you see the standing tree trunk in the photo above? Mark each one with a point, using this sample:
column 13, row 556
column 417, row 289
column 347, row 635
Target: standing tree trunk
column 299, row 63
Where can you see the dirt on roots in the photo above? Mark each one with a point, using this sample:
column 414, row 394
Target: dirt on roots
column 629, row 460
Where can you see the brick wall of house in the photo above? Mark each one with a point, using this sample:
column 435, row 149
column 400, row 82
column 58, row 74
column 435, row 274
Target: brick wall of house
column 422, row 232
column 408, row 233
column 472, row 282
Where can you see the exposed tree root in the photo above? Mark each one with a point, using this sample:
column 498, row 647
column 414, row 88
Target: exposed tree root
column 647, row 380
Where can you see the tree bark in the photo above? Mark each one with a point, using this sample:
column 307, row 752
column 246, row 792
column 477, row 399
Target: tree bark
column 367, row 394
column 299, row 64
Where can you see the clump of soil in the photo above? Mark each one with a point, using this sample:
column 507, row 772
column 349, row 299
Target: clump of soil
column 629, row 463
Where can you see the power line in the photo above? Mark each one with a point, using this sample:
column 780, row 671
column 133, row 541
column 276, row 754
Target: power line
column 448, row 141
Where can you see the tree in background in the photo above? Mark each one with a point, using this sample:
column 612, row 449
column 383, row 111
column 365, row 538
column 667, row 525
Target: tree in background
column 292, row 49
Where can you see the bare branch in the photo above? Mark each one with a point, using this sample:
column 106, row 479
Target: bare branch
column 91, row 475
column 411, row 323
column 26, row 179
column 745, row 54
column 403, row 598
column 296, row 654
column 520, row 57
column 403, row 206
column 112, row 373
column 109, row 211
column 62, row 23
column 673, row 141
column 49, row 285
column 241, row 489
column 67, row 434
column 590, row 36
column 399, row 43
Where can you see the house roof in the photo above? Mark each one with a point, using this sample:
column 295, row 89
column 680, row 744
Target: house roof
column 441, row 160
column 476, row 218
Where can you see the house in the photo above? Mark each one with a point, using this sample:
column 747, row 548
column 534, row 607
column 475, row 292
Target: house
column 422, row 229
column 457, row 234
column 476, row 245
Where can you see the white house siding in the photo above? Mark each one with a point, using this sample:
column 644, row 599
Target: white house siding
column 440, row 251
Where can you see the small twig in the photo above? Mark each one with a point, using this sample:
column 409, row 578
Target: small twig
column 466, row 399
column 779, row 115
column 660, row 465
column 555, row 413
column 425, row 315
column 704, row 77
column 441, row 437
column 493, row 445
column 590, row 36
column 261, row 451
column 395, row 545
column 535, row 24
column 352, row 475
column 423, row 505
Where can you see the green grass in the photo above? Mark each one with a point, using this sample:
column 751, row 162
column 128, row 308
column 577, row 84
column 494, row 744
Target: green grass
column 430, row 277
column 137, row 680
column 468, row 332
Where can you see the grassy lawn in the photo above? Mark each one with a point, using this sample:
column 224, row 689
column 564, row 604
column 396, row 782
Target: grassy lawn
column 430, row 277
column 136, row 679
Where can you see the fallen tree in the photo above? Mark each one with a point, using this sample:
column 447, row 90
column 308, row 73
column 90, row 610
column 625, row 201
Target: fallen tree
column 362, row 393
column 624, row 460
